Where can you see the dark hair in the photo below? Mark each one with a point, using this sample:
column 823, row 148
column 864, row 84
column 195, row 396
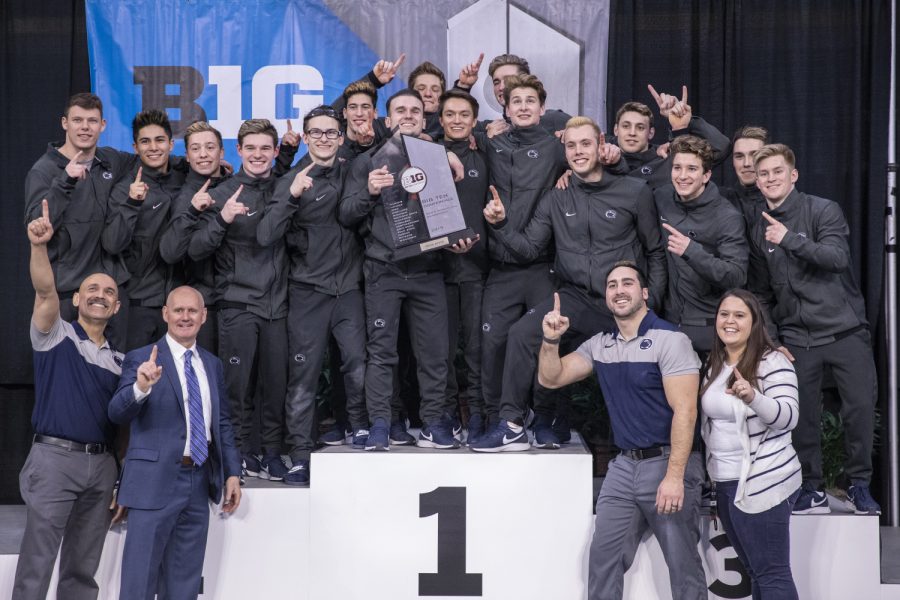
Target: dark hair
column 691, row 144
column 323, row 110
column 508, row 59
column 84, row 100
column 360, row 87
column 524, row 81
column 200, row 127
column 145, row 118
column 642, row 278
column 638, row 107
column 457, row 93
column 405, row 92
column 426, row 68
column 753, row 132
column 758, row 344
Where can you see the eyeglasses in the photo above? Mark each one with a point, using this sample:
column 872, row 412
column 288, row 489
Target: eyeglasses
column 331, row 134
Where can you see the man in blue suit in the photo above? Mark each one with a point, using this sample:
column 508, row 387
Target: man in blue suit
column 180, row 454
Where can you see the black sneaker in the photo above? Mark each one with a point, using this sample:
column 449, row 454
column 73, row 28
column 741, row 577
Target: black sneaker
column 438, row 436
column 250, row 465
column 273, row 467
column 544, row 436
column 358, row 442
column 811, row 502
column 399, row 436
column 502, row 439
column 862, row 500
column 298, row 475
column 378, row 439
column 336, row 436
column 562, row 429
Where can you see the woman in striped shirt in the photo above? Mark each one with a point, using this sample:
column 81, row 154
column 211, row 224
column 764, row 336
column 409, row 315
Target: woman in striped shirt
column 749, row 404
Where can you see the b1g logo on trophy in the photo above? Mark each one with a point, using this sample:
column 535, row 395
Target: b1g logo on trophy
column 413, row 180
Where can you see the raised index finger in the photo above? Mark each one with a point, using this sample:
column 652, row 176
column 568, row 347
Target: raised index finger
column 237, row 193
column 478, row 62
column 399, row 61
column 289, row 125
column 45, row 209
column 654, row 93
column 770, row 218
column 205, row 186
column 684, row 94
column 153, row 354
column 307, row 169
column 495, row 197
column 140, row 172
column 737, row 374
column 76, row 157
column 556, row 301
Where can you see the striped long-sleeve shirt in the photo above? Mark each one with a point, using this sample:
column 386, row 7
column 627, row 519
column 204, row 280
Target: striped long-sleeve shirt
column 769, row 470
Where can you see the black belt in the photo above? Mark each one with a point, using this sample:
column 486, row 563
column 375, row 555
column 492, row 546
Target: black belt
column 643, row 453
column 70, row 445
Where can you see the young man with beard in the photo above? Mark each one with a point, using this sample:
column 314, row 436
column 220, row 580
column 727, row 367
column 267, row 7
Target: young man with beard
column 251, row 288
column 139, row 212
column 324, row 286
column 821, row 320
column 599, row 219
column 649, row 376
column 705, row 240
column 466, row 265
column 67, row 481
column 634, row 129
column 411, row 288
column 525, row 162
column 203, row 147
column 76, row 178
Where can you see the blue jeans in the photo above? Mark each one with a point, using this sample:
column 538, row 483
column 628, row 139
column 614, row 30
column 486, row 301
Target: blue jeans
column 762, row 541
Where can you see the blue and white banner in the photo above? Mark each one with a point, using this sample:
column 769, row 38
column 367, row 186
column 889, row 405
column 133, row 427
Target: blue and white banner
column 218, row 60
column 231, row 60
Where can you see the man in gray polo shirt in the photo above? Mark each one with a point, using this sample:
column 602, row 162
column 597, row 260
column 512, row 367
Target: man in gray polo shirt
column 67, row 481
column 649, row 375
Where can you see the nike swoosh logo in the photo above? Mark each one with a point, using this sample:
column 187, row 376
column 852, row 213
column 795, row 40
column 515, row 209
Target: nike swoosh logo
column 568, row 214
column 610, row 345
column 253, row 213
column 498, row 150
column 428, row 437
column 319, row 197
column 507, row 440
column 771, row 249
column 664, row 220
column 155, row 206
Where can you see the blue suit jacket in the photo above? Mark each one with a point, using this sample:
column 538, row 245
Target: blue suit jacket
column 158, row 430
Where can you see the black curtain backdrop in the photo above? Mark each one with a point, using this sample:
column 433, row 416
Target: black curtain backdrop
column 814, row 72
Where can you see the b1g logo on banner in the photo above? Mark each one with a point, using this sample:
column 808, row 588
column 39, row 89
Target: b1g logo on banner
column 223, row 62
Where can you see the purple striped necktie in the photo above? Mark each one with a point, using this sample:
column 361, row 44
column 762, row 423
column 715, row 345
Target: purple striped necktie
column 199, row 447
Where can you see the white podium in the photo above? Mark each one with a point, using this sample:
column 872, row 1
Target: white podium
column 413, row 523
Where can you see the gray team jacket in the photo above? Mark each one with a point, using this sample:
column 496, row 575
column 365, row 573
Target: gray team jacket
column 323, row 254
column 247, row 275
column 524, row 164
column 78, row 211
column 817, row 299
column 715, row 260
column 594, row 225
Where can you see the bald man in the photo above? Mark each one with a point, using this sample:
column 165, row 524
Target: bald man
column 181, row 453
column 67, row 481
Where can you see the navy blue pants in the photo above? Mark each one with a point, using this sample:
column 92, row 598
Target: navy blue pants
column 762, row 541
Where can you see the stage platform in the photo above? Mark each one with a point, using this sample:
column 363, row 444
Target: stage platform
column 414, row 523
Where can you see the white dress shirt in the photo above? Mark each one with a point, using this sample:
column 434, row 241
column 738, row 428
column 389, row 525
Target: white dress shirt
column 178, row 351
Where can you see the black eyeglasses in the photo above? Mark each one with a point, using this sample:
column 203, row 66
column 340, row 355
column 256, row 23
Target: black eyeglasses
column 331, row 134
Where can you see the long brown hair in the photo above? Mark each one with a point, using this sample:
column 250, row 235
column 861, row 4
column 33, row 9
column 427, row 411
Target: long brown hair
column 758, row 343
